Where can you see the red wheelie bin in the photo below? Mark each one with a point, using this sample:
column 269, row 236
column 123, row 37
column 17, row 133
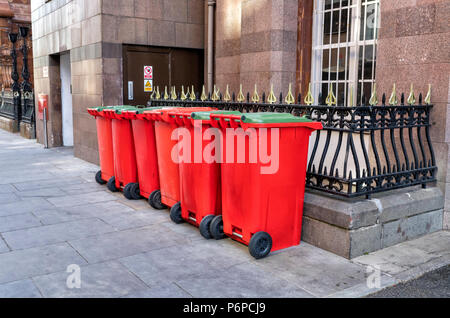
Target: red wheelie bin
column 105, row 143
column 200, row 199
column 262, row 194
column 167, row 152
column 125, row 167
column 146, row 157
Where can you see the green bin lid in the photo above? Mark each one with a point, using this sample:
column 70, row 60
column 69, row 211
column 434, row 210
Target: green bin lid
column 272, row 118
column 206, row 115
column 100, row 108
column 142, row 110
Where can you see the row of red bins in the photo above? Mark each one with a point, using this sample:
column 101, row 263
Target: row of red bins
column 211, row 168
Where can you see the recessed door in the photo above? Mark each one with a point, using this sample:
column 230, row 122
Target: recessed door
column 153, row 67
column 66, row 100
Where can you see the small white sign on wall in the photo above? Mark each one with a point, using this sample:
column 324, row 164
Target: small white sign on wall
column 45, row 71
column 148, row 72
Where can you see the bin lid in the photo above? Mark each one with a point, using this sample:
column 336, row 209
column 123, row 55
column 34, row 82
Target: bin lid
column 142, row 110
column 278, row 120
column 206, row 115
column 100, row 108
column 272, row 118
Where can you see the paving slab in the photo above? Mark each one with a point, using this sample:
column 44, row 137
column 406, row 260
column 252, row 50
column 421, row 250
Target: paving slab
column 319, row 272
column 58, row 215
column 24, row 206
column 8, row 198
column 19, row 289
column 3, row 247
column 109, row 280
column 6, row 188
column 124, row 220
column 19, row 265
column 50, row 234
column 17, row 222
column 41, row 193
column 116, row 245
column 85, row 198
column 52, row 182
column 241, row 281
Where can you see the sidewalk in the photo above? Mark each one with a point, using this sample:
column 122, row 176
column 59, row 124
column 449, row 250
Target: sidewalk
column 53, row 214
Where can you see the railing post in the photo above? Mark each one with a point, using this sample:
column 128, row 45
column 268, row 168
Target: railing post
column 15, row 77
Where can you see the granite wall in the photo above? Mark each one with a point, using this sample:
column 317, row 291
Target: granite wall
column 414, row 47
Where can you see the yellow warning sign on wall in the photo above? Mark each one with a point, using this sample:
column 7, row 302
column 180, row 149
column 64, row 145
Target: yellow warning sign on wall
column 148, row 86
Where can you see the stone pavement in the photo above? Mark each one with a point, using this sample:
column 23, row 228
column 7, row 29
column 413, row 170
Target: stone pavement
column 53, row 215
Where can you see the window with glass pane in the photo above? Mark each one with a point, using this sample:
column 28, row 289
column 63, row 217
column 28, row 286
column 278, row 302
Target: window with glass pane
column 344, row 48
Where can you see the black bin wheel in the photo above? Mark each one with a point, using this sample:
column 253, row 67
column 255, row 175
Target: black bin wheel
column 112, row 185
column 216, row 228
column 205, row 226
column 98, row 178
column 127, row 191
column 175, row 213
column 260, row 245
column 135, row 191
column 155, row 200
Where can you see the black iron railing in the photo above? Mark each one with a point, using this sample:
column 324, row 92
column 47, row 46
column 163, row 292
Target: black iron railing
column 362, row 150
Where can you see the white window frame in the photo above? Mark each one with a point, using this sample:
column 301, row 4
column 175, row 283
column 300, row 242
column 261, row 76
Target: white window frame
column 353, row 45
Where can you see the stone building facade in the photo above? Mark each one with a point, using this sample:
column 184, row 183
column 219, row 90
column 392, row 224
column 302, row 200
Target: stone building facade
column 352, row 44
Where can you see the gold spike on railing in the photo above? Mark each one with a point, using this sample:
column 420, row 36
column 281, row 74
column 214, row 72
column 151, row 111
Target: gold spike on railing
column 290, row 99
column 331, row 98
column 158, row 95
column 393, row 100
column 271, row 99
column 174, row 93
column 215, row 96
column 227, row 96
column 166, row 96
column 193, row 97
column 240, row 97
column 203, row 97
column 183, row 95
column 411, row 98
column 309, row 99
column 428, row 97
column 255, row 97
column 373, row 101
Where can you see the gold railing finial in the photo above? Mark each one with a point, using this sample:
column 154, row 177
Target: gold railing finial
column 309, row 99
column 290, row 99
column 158, row 95
column 411, row 97
column 215, row 96
column 183, row 95
column 271, row 99
column 240, row 97
column 331, row 98
column 203, row 97
column 255, row 97
column 393, row 100
column 373, row 101
column 227, row 96
column 166, row 96
column 193, row 97
column 428, row 97
column 174, row 93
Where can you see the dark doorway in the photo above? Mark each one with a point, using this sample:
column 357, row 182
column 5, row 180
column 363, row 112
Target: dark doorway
column 169, row 66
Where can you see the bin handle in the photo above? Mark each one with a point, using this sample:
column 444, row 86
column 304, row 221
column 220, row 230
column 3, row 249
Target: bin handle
column 234, row 120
